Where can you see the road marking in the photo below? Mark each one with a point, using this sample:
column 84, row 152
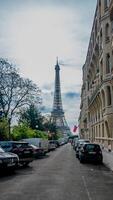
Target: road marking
column 85, row 185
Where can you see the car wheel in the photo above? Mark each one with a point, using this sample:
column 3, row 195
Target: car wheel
column 25, row 164
column 81, row 160
column 100, row 162
column 76, row 155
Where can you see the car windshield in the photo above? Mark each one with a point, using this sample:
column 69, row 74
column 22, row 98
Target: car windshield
column 92, row 147
column 1, row 150
column 21, row 145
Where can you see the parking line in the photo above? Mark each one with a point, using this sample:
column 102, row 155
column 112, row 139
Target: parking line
column 85, row 185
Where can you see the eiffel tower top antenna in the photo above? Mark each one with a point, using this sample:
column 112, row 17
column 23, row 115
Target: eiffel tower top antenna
column 57, row 67
column 57, row 60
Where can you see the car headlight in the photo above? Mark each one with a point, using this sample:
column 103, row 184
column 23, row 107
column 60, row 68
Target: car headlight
column 1, row 161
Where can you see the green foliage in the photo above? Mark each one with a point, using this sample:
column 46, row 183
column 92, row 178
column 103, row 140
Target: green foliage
column 55, row 136
column 4, row 129
column 41, row 134
column 32, row 117
column 50, row 126
column 59, row 134
column 22, row 131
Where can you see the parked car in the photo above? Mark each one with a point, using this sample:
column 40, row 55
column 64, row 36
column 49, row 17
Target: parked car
column 8, row 160
column 91, row 152
column 57, row 143
column 36, row 151
column 52, row 145
column 79, row 145
column 72, row 138
column 75, row 140
column 42, row 144
column 63, row 140
column 22, row 149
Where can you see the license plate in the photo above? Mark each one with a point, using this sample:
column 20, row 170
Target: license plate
column 26, row 151
column 92, row 152
column 26, row 159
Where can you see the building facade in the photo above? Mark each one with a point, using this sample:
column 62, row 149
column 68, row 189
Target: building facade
column 96, row 115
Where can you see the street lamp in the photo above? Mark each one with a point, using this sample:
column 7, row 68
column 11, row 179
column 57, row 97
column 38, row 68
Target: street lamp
column 36, row 126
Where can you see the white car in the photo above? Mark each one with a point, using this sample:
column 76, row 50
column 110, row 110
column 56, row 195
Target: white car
column 42, row 144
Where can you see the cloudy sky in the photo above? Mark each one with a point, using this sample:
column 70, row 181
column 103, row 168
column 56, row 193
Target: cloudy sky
column 34, row 32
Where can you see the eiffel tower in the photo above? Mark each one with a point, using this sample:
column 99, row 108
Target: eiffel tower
column 57, row 114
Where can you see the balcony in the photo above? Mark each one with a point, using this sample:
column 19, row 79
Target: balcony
column 107, row 77
column 107, row 110
column 94, row 95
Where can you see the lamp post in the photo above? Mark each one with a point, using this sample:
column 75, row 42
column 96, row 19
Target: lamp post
column 9, row 127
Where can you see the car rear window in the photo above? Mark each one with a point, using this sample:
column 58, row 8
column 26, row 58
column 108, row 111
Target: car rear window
column 92, row 147
column 20, row 145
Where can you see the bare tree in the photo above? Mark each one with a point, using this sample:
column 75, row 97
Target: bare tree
column 15, row 91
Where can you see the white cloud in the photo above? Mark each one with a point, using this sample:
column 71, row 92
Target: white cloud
column 35, row 34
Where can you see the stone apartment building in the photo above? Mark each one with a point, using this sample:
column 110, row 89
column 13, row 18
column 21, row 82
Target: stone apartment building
column 96, row 115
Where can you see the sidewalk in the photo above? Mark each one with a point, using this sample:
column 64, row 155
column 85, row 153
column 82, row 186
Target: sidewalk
column 108, row 158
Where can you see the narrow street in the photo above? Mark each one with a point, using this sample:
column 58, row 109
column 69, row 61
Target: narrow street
column 59, row 176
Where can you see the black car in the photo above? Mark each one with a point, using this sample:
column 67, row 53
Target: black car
column 8, row 160
column 22, row 149
column 75, row 140
column 91, row 152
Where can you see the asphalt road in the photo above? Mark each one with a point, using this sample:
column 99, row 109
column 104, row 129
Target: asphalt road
column 58, row 176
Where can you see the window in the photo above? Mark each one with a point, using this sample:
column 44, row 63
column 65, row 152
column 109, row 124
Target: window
column 99, row 8
column 107, row 63
column 107, row 32
column 102, row 130
column 101, row 69
column 95, row 29
column 112, row 26
column 108, row 96
column 106, row 4
column 103, row 99
column 101, row 45
column 92, row 148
